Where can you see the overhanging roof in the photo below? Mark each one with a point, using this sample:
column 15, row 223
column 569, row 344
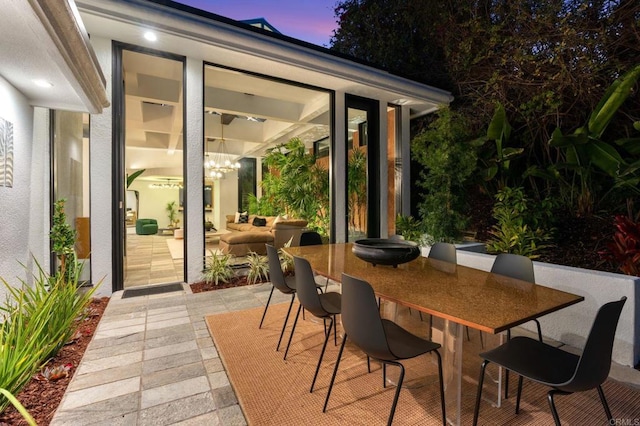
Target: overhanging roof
column 201, row 35
column 45, row 39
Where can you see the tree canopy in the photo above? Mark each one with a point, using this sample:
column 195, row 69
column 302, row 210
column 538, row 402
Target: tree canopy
column 548, row 63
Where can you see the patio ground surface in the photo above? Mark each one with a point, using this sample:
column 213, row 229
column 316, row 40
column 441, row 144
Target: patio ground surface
column 153, row 362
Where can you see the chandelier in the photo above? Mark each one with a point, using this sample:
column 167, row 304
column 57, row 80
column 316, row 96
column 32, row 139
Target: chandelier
column 219, row 162
column 166, row 185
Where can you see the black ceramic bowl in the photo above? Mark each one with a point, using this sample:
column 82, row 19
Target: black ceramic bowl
column 382, row 251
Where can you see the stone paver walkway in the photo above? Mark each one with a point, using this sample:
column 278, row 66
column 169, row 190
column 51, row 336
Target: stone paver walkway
column 152, row 362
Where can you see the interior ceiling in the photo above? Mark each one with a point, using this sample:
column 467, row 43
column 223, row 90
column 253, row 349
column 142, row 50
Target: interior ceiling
column 250, row 113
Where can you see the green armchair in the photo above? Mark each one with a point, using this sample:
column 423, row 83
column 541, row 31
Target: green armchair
column 146, row 226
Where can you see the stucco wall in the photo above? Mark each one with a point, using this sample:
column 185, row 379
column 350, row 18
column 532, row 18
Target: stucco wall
column 102, row 207
column 22, row 205
column 573, row 324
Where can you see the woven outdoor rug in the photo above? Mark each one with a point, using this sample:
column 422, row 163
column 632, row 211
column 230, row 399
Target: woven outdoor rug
column 272, row 391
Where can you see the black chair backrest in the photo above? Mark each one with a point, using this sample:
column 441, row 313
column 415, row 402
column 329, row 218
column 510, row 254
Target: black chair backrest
column 310, row 238
column 361, row 318
column 275, row 270
column 443, row 251
column 595, row 361
column 306, row 287
column 514, row 266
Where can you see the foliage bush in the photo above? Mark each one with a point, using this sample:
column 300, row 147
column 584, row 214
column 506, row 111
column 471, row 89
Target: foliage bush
column 63, row 238
column 295, row 185
column 522, row 227
column 410, row 228
column 37, row 321
column 624, row 250
column 258, row 268
column 448, row 160
column 217, row 268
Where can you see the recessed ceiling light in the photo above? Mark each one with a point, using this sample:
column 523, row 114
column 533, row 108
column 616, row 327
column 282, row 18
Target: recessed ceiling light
column 43, row 83
column 151, row 36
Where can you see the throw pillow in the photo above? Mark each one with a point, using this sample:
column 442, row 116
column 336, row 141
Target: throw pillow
column 259, row 221
column 237, row 219
column 244, row 218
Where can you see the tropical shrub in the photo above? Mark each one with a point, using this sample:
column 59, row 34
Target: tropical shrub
column 624, row 250
column 36, row 321
column 296, row 185
column 410, row 228
column 286, row 261
column 522, row 227
column 63, row 238
column 258, row 268
column 448, row 160
column 217, row 268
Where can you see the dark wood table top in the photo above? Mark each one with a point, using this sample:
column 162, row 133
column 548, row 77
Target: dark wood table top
column 478, row 299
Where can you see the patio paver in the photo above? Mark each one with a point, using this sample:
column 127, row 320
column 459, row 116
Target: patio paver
column 152, row 362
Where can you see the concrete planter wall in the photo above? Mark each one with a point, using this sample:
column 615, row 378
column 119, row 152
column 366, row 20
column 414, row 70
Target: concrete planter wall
column 572, row 325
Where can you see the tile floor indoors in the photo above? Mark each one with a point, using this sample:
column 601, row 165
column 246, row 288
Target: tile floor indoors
column 149, row 261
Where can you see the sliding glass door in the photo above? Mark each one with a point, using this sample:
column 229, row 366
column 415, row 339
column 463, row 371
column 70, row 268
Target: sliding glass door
column 363, row 189
column 149, row 245
column 70, row 177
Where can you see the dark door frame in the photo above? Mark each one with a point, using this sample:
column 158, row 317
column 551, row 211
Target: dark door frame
column 118, row 128
column 372, row 107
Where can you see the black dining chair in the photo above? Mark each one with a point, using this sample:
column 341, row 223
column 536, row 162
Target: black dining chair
column 379, row 338
column 443, row 251
column 322, row 305
column 285, row 284
column 521, row 268
column 310, row 238
column 564, row 372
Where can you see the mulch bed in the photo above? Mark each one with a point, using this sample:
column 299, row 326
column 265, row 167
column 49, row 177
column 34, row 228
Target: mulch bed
column 41, row 397
column 235, row 282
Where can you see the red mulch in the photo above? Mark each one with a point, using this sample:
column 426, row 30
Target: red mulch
column 235, row 282
column 40, row 397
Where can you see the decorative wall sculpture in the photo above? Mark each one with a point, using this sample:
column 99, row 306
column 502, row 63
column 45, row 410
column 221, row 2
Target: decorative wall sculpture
column 6, row 153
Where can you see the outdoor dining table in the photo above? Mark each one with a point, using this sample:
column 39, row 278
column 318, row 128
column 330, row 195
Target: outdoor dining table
column 460, row 295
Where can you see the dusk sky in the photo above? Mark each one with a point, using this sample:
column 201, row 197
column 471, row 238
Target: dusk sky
column 308, row 20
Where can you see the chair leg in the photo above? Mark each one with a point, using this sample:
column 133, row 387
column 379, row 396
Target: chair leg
column 539, row 329
column 266, row 307
column 552, row 404
column 335, row 331
column 335, row 371
column 397, row 393
column 368, row 364
column 295, row 322
column 605, row 405
column 324, row 346
column 520, row 379
column 506, row 376
column 476, row 410
column 286, row 319
column 444, row 411
column 384, row 375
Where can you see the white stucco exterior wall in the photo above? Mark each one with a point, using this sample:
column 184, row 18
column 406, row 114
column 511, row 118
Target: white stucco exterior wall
column 194, row 176
column 102, row 209
column 21, row 223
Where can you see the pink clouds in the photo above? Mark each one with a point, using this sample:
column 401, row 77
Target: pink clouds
column 310, row 20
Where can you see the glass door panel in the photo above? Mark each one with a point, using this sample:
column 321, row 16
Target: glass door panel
column 363, row 196
column 71, row 180
column 154, row 200
column 357, row 141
